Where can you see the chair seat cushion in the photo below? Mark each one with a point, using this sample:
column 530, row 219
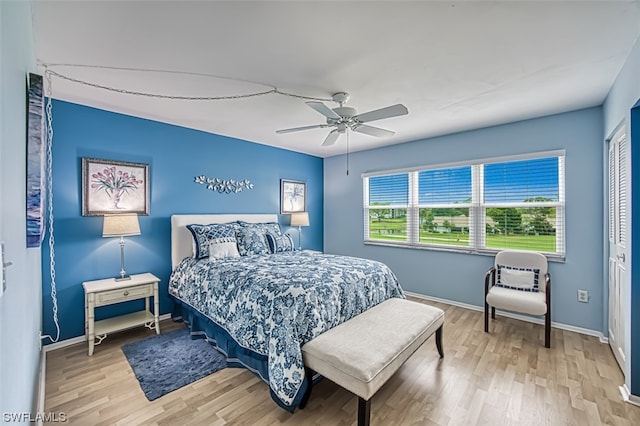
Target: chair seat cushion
column 533, row 303
column 363, row 353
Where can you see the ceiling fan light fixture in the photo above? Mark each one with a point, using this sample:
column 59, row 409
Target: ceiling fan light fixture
column 345, row 118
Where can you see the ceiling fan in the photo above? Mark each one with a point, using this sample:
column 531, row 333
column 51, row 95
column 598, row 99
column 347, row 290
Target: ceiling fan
column 344, row 117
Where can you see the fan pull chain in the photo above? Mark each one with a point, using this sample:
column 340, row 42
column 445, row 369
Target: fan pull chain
column 347, row 152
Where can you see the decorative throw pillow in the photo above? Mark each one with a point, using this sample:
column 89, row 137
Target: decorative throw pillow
column 220, row 248
column 204, row 234
column 264, row 227
column 251, row 240
column 525, row 279
column 280, row 243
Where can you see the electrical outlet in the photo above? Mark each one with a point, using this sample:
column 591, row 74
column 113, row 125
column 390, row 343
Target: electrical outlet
column 583, row 296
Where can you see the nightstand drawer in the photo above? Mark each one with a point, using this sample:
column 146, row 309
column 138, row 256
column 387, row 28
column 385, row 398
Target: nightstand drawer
column 124, row 294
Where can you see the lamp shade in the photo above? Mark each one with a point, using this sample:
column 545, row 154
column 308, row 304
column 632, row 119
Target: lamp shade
column 300, row 219
column 120, row 225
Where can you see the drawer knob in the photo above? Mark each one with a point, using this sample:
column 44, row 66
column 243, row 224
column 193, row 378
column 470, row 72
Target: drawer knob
column 126, row 293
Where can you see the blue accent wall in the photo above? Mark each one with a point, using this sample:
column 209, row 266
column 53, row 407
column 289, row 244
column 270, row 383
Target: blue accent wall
column 175, row 156
column 459, row 277
column 621, row 106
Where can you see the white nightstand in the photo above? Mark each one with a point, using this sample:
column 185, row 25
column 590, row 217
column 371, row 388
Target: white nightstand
column 109, row 291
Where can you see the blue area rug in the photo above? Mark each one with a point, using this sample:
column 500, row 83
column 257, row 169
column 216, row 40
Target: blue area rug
column 166, row 362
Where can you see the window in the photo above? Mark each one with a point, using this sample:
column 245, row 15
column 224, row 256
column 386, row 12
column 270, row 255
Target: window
column 388, row 204
column 444, row 203
column 483, row 206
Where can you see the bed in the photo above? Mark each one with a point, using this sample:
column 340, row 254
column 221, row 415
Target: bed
column 260, row 308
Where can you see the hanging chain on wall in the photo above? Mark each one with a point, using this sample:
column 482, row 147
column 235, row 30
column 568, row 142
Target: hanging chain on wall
column 52, row 255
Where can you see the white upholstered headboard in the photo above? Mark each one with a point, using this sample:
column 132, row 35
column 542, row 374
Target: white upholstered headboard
column 181, row 239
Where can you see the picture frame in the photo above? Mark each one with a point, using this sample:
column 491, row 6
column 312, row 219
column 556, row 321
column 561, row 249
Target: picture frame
column 293, row 196
column 36, row 147
column 113, row 187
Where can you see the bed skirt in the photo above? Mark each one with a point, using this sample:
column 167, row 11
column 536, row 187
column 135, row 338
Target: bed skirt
column 202, row 327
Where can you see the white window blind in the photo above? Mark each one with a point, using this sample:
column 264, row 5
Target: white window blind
column 522, row 205
column 444, row 203
column 513, row 202
column 386, row 207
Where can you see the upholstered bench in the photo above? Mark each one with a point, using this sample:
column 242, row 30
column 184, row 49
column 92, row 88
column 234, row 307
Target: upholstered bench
column 363, row 353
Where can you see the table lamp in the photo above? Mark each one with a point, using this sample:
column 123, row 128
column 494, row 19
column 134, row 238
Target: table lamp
column 121, row 225
column 300, row 219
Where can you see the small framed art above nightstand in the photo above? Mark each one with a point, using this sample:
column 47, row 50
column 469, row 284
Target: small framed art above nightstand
column 108, row 292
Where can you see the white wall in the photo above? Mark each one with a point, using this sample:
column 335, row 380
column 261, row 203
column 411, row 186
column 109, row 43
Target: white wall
column 20, row 306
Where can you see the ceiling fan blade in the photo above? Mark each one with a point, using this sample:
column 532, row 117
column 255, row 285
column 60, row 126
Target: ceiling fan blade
column 323, row 109
column 332, row 137
column 379, row 114
column 372, row 131
column 296, row 129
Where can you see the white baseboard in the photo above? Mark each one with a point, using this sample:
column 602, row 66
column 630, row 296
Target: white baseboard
column 42, row 374
column 628, row 396
column 507, row 314
column 64, row 343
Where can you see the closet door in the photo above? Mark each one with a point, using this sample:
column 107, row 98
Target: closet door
column 619, row 277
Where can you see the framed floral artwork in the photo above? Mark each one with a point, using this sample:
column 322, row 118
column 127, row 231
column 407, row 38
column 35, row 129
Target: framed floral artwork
column 293, row 196
column 111, row 187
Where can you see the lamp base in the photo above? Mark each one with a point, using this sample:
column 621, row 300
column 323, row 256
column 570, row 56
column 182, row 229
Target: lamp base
column 123, row 273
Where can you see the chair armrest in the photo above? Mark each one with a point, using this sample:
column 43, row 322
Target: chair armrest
column 489, row 279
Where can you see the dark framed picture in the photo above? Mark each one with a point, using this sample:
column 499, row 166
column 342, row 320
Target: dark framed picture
column 112, row 187
column 36, row 146
column 293, row 196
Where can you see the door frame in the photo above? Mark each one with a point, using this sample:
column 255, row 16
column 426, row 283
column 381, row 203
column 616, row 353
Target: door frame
column 625, row 289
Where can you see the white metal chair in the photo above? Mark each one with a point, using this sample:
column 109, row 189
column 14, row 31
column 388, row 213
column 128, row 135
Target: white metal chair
column 519, row 281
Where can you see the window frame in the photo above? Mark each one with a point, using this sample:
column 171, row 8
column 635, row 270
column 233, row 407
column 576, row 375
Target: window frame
column 477, row 207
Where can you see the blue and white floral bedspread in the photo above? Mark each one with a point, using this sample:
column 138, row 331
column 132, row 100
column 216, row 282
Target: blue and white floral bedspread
column 273, row 304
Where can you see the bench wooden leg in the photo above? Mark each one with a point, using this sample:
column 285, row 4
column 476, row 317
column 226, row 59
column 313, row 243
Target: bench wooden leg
column 307, row 394
column 439, row 341
column 364, row 412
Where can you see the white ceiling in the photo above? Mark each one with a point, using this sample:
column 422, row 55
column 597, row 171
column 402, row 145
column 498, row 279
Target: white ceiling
column 455, row 65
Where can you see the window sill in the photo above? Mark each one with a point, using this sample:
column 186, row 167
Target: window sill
column 484, row 252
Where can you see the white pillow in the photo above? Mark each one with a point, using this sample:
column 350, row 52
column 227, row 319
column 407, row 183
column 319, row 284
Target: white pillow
column 223, row 247
column 518, row 278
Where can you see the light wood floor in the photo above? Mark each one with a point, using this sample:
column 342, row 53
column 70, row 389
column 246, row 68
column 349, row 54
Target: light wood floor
column 506, row 377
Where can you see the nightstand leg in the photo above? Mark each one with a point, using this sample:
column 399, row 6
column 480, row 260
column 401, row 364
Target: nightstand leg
column 90, row 321
column 156, row 308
